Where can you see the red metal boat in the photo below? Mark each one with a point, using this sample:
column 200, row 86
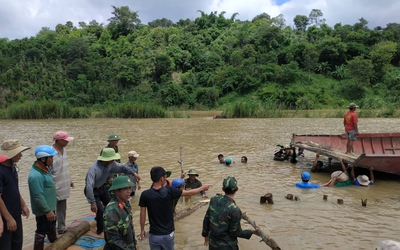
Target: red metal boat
column 379, row 150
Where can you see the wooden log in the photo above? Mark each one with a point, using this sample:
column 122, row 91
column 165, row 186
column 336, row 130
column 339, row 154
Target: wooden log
column 71, row 236
column 268, row 240
column 269, row 198
column 364, row 202
column 182, row 214
column 220, row 117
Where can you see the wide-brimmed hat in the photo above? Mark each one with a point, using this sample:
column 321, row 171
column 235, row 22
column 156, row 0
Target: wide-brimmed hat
column 192, row 171
column 62, row 135
column 229, row 182
column 342, row 176
column 121, row 181
column 352, row 105
column 113, row 137
column 108, row 154
column 133, row 154
column 3, row 158
column 363, row 180
column 11, row 148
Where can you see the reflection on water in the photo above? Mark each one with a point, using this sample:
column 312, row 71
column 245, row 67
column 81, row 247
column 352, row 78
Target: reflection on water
column 311, row 223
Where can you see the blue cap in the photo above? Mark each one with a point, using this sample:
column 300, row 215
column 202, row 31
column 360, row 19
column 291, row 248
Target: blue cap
column 228, row 160
column 305, row 176
column 177, row 182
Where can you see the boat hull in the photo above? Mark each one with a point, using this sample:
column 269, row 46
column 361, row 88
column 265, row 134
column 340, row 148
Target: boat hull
column 378, row 150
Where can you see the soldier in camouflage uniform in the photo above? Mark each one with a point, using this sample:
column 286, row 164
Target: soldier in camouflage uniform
column 221, row 224
column 119, row 232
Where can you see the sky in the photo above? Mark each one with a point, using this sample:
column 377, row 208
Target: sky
column 25, row 18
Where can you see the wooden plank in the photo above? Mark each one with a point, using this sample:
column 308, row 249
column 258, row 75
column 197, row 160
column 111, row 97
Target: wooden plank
column 332, row 153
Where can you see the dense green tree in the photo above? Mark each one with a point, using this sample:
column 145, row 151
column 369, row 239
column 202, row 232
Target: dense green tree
column 361, row 70
column 315, row 17
column 123, row 22
column 311, row 56
column 301, row 22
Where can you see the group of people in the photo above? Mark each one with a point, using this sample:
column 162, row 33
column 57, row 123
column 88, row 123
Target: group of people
column 49, row 183
column 339, row 178
column 229, row 161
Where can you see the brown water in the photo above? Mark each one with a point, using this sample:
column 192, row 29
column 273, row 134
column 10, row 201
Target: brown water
column 309, row 224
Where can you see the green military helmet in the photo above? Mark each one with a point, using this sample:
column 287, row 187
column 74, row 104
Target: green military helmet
column 113, row 137
column 122, row 181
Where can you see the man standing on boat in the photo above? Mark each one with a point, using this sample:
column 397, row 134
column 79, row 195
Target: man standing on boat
column 95, row 183
column 158, row 202
column 350, row 122
column 62, row 177
column 43, row 195
column 12, row 205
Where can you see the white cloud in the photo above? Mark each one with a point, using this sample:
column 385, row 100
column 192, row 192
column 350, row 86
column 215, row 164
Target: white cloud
column 23, row 18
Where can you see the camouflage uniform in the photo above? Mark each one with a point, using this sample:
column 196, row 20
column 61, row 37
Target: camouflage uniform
column 222, row 224
column 119, row 232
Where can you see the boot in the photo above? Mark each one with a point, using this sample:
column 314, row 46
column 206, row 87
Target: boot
column 52, row 235
column 39, row 242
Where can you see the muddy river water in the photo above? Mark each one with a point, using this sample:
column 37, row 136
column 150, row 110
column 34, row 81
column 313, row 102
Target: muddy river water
column 310, row 223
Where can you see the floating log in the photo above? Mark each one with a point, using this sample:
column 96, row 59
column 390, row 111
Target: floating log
column 220, row 117
column 71, row 236
column 182, row 214
column 339, row 201
column 289, row 197
column 269, row 241
column 364, row 202
column 325, row 197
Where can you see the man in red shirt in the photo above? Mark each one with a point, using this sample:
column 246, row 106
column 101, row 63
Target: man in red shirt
column 350, row 126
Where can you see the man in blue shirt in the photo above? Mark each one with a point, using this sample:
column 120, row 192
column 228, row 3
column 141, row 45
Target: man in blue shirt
column 305, row 177
column 363, row 180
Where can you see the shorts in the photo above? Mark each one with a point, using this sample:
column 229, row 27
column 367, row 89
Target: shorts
column 351, row 135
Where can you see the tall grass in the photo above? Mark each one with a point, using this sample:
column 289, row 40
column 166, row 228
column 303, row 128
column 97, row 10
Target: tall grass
column 257, row 109
column 45, row 110
column 133, row 110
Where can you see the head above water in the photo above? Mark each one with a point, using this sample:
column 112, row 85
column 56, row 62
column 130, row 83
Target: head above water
column 305, row 176
column 243, row 159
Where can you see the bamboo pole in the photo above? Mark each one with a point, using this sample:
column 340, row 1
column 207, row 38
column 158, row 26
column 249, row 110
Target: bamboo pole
column 71, row 236
column 181, row 163
column 269, row 241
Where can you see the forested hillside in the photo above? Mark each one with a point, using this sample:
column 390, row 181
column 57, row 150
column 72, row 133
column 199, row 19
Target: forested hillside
column 205, row 63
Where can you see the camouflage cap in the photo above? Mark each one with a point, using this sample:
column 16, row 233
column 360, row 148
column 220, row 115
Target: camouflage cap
column 229, row 182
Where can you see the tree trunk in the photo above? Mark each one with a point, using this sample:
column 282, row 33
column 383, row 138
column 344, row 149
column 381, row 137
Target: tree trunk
column 71, row 236
column 269, row 241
